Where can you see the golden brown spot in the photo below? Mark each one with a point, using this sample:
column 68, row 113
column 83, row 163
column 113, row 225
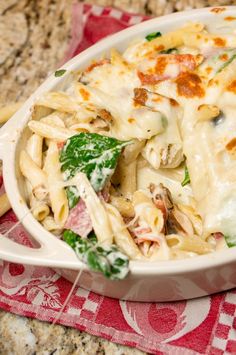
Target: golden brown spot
column 140, row 96
column 219, row 42
column 218, row 10
column 131, row 120
column 96, row 64
column 189, row 85
column 198, row 36
column 105, row 115
column 85, row 94
column 156, row 99
column 173, row 103
column 230, row 18
column 159, row 48
column 209, row 70
column 224, row 57
column 231, row 145
column 232, row 87
column 161, row 64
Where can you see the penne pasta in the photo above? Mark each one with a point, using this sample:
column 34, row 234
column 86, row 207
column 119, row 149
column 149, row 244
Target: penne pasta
column 57, row 194
column 121, row 235
column 47, row 131
column 100, row 221
column 36, row 176
column 123, row 205
column 6, row 112
column 191, row 244
column 34, row 148
column 4, row 204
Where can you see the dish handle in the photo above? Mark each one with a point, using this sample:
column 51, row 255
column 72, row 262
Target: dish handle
column 53, row 253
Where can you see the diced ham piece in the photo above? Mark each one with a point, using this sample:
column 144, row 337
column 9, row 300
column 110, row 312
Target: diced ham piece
column 79, row 220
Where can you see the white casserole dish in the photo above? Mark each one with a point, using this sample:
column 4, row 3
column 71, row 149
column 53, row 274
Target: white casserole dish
column 149, row 282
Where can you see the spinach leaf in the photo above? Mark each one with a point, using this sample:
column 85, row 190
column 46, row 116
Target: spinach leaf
column 186, row 180
column 230, row 240
column 59, row 72
column 152, row 35
column 105, row 259
column 72, row 196
column 93, row 154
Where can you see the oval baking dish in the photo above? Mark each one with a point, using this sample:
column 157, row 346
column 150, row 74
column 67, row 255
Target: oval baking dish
column 150, row 282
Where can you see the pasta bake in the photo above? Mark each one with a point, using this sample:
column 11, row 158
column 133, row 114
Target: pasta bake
column 135, row 159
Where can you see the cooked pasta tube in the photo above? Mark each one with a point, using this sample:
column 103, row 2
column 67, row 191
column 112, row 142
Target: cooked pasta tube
column 132, row 151
column 168, row 40
column 53, row 120
column 48, row 131
column 4, row 204
column 34, row 148
column 40, row 209
column 192, row 215
column 97, row 212
column 122, row 237
column 207, row 112
column 7, row 111
column 165, row 149
column 191, row 244
column 127, row 178
column 50, row 224
column 145, row 208
column 204, row 39
column 123, row 205
column 33, row 174
column 58, row 101
column 57, row 194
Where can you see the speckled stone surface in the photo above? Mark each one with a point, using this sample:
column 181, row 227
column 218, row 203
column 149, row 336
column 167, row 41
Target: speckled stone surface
column 34, row 35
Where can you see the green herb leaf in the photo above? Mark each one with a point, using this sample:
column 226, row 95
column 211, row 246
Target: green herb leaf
column 105, row 259
column 93, row 154
column 169, row 51
column 230, row 240
column 59, row 72
column 226, row 63
column 186, row 180
column 72, row 196
column 152, row 35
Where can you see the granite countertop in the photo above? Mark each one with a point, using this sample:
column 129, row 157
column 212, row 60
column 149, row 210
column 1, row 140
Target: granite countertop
column 33, row 39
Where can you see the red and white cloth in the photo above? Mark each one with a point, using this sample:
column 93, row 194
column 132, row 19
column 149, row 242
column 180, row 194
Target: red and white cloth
column 201, row 326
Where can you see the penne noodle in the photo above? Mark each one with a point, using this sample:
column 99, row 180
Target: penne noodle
column 123, row 205
column 57, row 194
column 56, row 133
column 36, row 176
column 4, row 204
column 7, row 111
column 58, row 101
column 170, row 39
column 206, row 39
column 40, row 209
column 191, row 244
column 50, row 224
column 207, row 112
column 132, row 151
column 127, row 178
column 147, row 211
column 121, row 235
column 98, row 214
column 34, row 148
